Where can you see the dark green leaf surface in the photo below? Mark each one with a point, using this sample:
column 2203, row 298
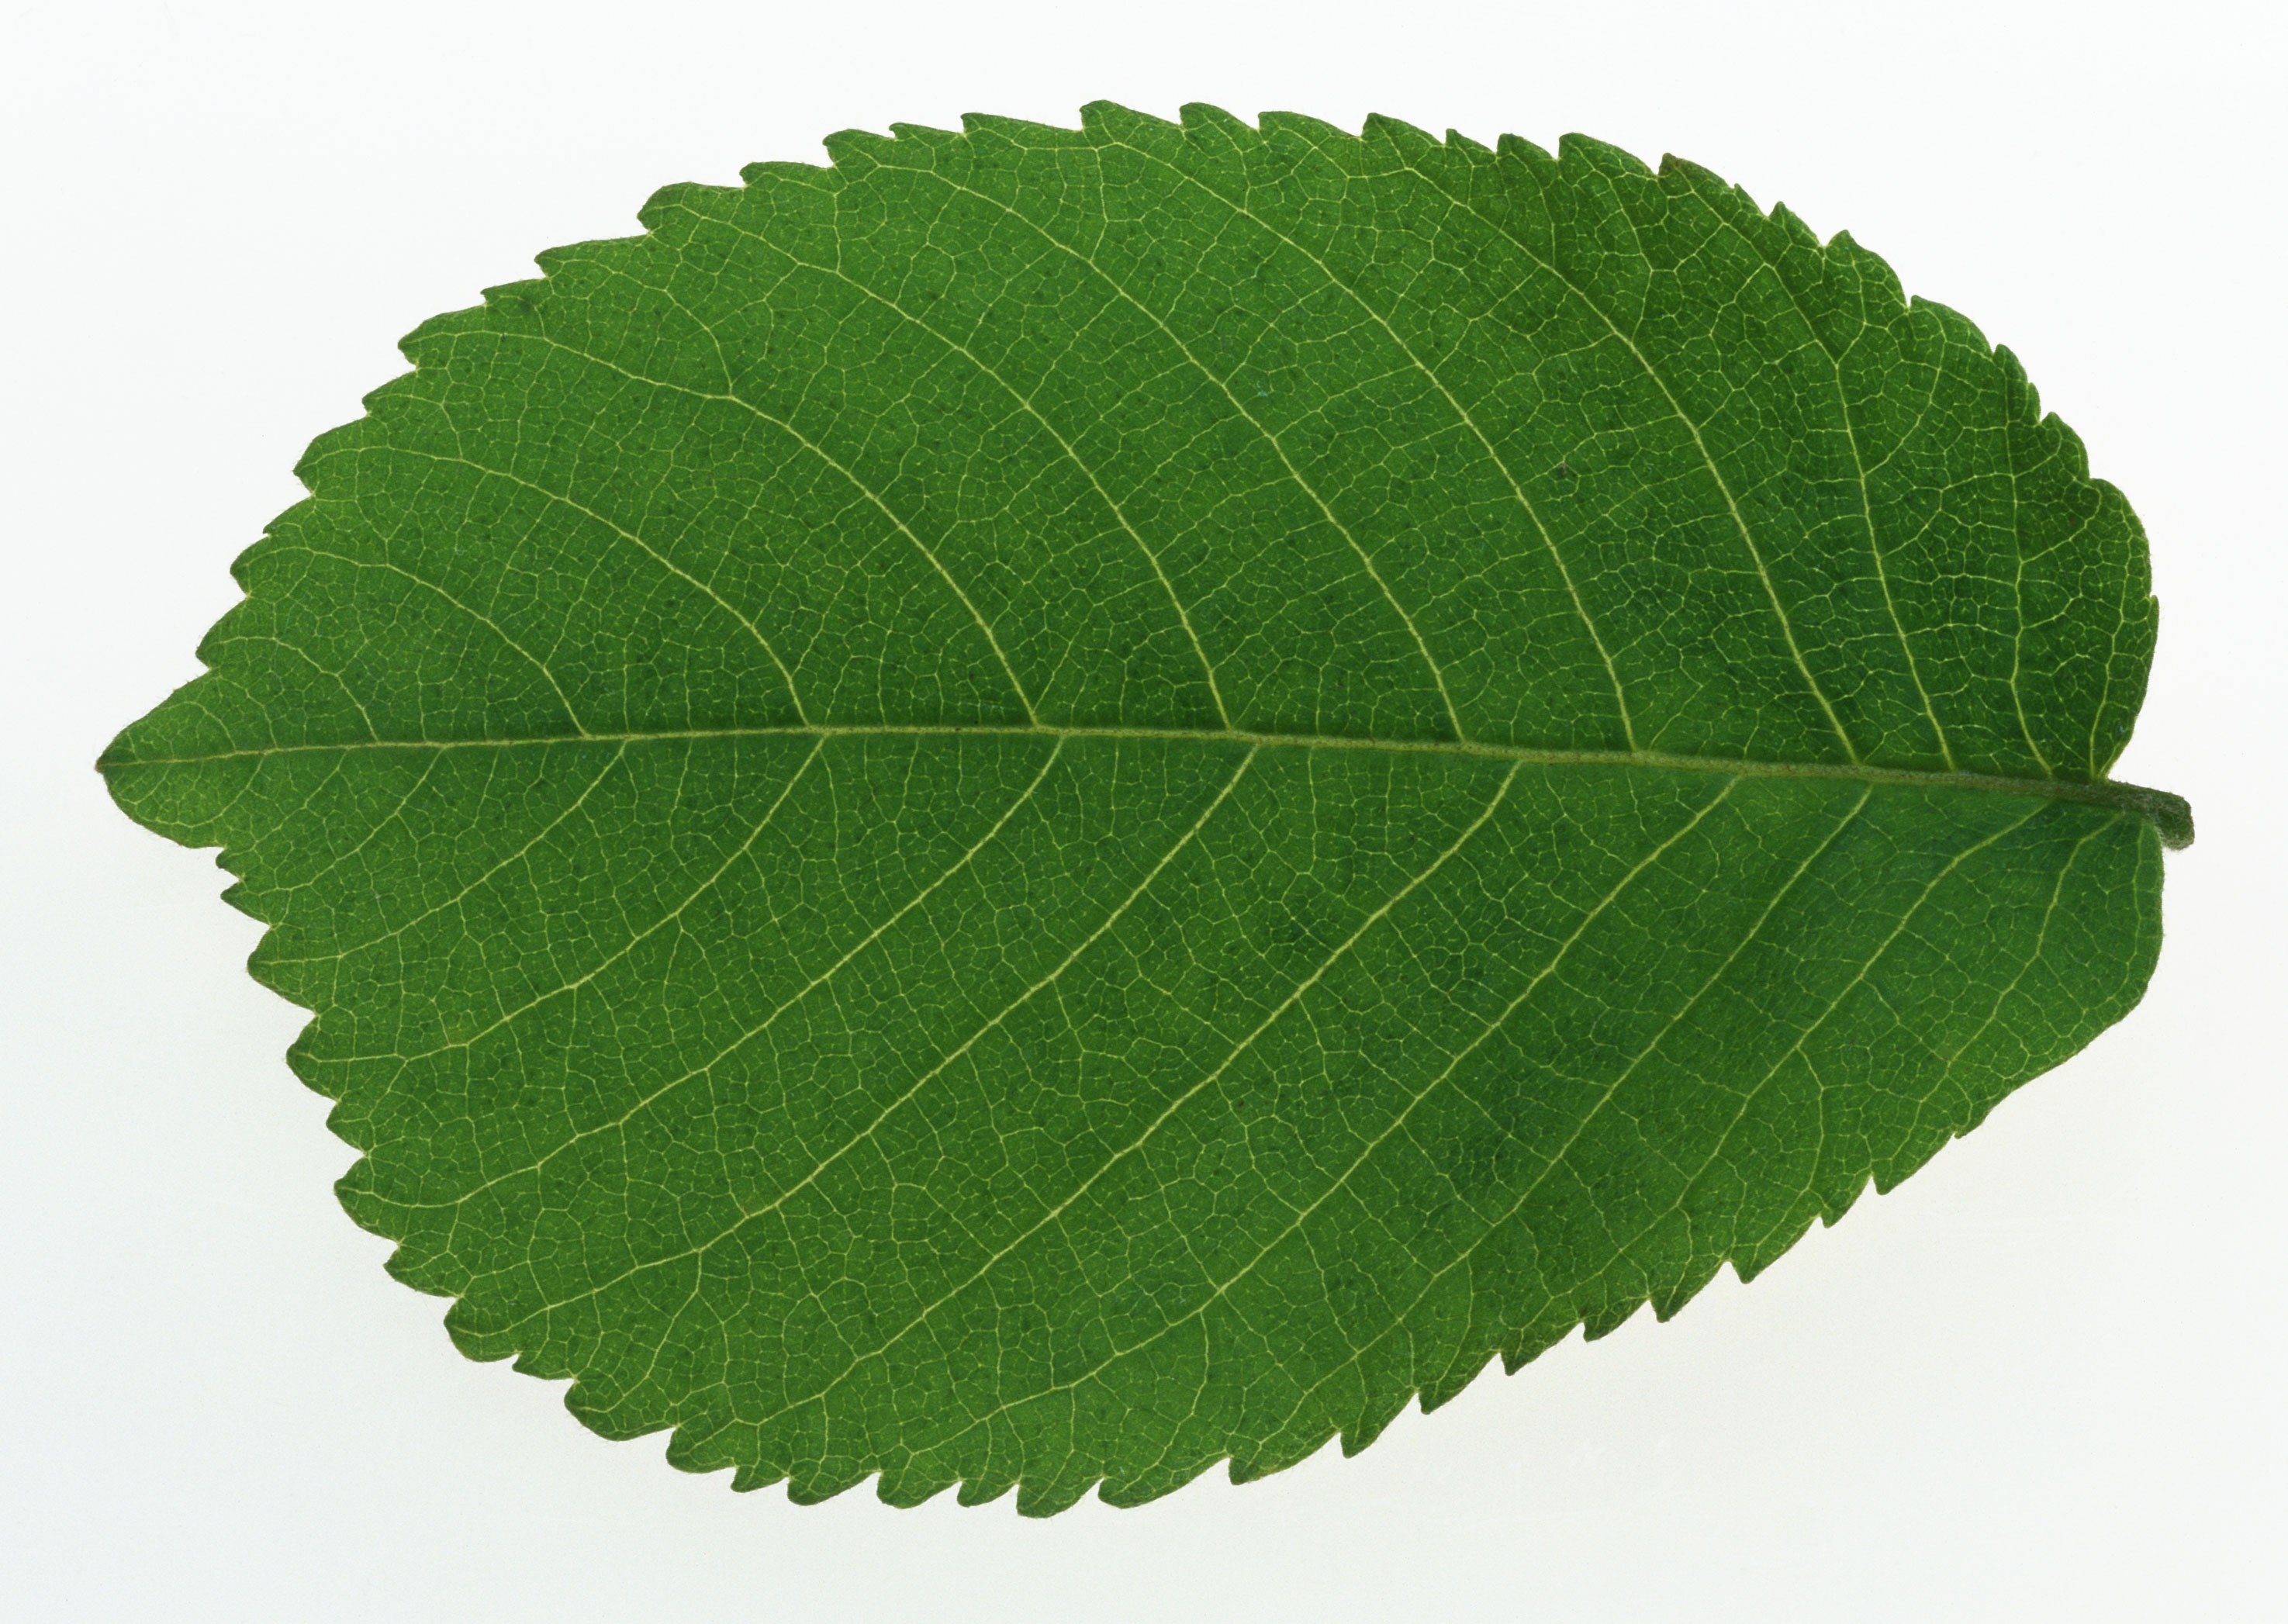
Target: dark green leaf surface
column 1052, row 805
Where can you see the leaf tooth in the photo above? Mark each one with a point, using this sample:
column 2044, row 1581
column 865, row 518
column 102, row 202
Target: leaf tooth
column 1677, row 174
column 856, row 151
column 1374, row 1420
column 1038, row 1499
column 1200, row 117
column 1398, row 133
column 1276, row 1455
column 1751, row 1260
column 910, row 1488
column 1447, row 1386
column 784, row 171
column 1576, row 152
column 1099, row 118
column 824, row 1486
column 692, row 1446
column 984, row 1488
column 1878, row 283
column 1315, row 131
column 690, row 195
column 1793, row 226
column 747, row 1479
column 929, row 135
column 514, row 300
column 1960, row 329
column 1517, row 149
column 1023, row 131
column 1690, row 1283
column 1610, row 1316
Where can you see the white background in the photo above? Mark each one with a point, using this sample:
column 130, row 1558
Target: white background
column 2042, row 1379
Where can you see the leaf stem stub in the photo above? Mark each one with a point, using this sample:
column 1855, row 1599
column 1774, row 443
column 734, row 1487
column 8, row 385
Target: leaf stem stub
column 2171, row 814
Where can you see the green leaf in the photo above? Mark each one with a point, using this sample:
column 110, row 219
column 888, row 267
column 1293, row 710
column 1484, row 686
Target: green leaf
column 1052, row 805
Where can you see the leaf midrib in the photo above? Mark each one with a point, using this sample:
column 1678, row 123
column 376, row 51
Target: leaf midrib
column 2167, row 812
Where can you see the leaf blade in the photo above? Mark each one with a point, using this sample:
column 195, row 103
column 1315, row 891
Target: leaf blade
column 897, row 919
